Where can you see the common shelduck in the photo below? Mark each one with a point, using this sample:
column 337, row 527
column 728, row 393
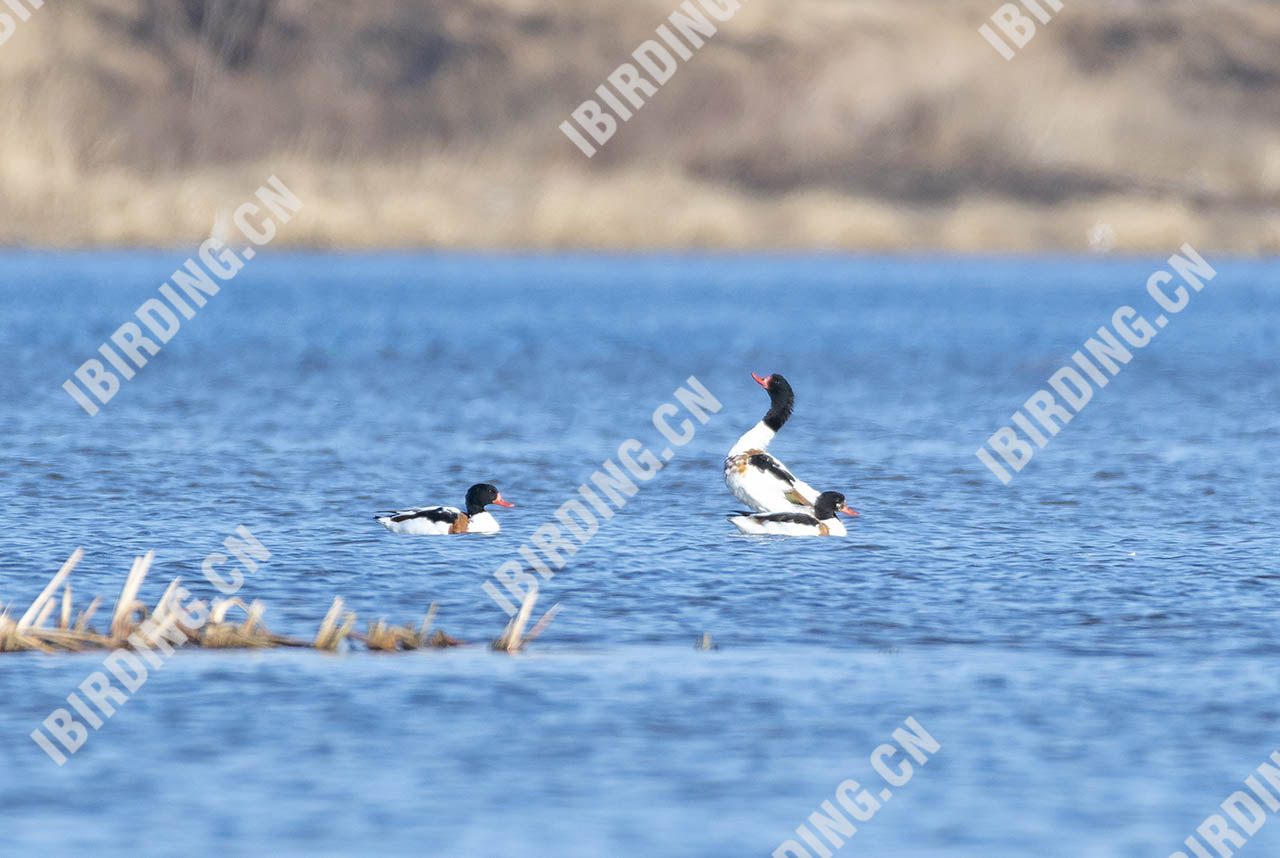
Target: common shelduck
column 433, row 520
column 822, row 522
column 756, row 478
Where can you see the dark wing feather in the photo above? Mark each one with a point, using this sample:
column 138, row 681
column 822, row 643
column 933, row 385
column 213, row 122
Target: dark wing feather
column 772, row 466
column 787, row 518
column 431, row 513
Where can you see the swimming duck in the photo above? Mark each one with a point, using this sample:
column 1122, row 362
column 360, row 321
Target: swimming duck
column 822, row 522
column 437, row 520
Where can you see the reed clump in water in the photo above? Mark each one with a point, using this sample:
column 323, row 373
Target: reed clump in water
column 170, row 623
column 513, row 638
column 387, row 638
column 217, row 633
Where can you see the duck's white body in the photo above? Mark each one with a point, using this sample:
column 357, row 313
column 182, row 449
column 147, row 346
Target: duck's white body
column 759, row 480
column 787, row 524
column 438, row 521
column 441, row 520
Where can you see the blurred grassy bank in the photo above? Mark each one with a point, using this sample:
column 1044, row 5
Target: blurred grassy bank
column 849, row 124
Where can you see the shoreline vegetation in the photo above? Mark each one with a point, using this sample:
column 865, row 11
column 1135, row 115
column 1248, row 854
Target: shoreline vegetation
column 139, row 640
column 173, row 623
column 878, row 125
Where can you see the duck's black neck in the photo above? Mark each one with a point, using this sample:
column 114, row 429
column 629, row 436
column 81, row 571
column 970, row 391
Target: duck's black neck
column 474, row 508
column 824, row 509
column 780, row 404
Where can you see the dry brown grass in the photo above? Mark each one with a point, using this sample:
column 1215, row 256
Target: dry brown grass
column 864, row 124
column 134, row 625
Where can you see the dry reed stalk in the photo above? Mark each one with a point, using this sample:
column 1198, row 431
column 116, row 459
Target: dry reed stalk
column 541, row 625
column 127, row 604
column 256, row 610
column 159, row 615
column 30, row 633
column 82, row 621
column 14, row 639
column 7, row 629
column 328, row 624
column 163, row 617
column 38, row 604
column 383, row 637
column 65, row 619
column 389, row 638
column 43, row 617
column 439, row 640
column 232, row 637
column 251, row 634
column 21, row 642
column 163, row 606
column 128, row 622
column 73, row 641
column 218, row 611
column 427, row 621
column 510, row 640
column 36, row 636
column 331, row 634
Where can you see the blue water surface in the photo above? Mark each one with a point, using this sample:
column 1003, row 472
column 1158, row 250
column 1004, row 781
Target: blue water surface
column 1095, row 646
